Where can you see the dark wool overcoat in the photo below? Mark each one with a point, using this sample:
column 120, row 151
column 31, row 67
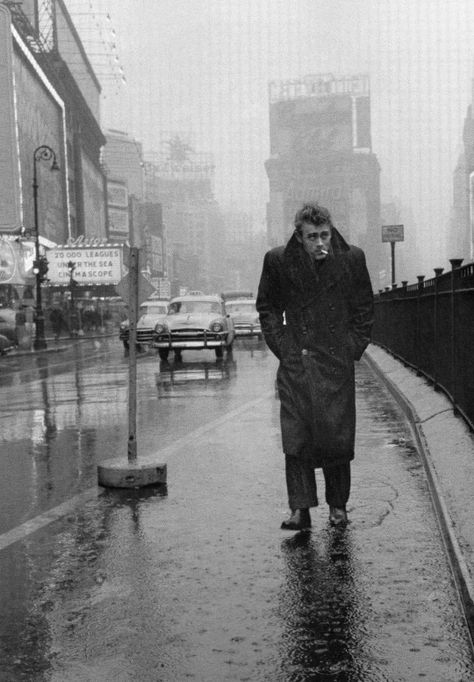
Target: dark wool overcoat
column 316, row 318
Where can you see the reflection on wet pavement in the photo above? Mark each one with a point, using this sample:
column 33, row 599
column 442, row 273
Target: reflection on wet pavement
column 204, row 377
column 320, row 607
column 196, row 581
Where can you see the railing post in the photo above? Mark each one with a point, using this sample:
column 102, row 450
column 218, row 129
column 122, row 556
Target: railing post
column 420, row 279
column 455, row 265
column 438, row 272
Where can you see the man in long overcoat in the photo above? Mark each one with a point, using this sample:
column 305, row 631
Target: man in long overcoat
column 315, row 304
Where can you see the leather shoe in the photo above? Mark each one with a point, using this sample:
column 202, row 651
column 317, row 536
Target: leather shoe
column 299, row 520
column 337, row 516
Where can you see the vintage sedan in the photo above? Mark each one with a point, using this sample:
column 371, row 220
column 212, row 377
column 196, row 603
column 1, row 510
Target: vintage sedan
column 150, row 313
column 244, row 316
column 194, row 322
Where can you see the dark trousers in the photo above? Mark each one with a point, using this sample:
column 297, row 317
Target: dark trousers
column 301, row 483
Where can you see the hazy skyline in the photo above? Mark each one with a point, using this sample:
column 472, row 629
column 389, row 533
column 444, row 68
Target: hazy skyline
column 203, row 66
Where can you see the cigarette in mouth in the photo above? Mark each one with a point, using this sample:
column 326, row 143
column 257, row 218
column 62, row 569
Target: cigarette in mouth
column 324, row 251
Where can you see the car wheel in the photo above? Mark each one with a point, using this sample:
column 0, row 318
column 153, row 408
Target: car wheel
column 163, row 353
column 219, row 352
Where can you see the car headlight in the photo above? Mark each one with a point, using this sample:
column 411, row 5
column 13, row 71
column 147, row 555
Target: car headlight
column 160, row 328
column 216, row 327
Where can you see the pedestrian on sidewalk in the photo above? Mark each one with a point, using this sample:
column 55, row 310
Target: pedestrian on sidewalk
column 58, row 323
column 315, row 304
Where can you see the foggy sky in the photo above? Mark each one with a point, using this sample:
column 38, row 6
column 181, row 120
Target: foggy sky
column 202, row 67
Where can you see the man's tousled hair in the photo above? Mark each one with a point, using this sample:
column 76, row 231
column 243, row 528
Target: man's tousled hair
column 312, row 213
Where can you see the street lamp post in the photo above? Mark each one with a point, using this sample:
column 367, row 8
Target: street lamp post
column 40, row 266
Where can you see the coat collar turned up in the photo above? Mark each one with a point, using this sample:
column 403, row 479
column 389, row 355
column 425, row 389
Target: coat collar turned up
column 310, row 280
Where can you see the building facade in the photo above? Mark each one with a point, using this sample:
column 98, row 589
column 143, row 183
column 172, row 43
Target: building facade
column 181, row 180
column 47, row 116
column 462, row 219
column 320, row 150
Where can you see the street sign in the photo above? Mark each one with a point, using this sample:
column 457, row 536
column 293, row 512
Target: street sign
column 145, row 289
column 392, row 233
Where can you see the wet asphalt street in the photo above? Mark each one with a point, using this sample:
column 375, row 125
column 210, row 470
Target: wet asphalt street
column 197, row 581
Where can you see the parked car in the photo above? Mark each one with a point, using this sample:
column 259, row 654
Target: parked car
column 244, row 315
column 194, row 322
column 8, row 329
column 150, row 313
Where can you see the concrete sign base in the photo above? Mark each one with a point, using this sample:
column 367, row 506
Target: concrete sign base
column 115, row 473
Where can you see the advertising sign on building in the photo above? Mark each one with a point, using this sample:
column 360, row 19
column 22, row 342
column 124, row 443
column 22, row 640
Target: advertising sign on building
column 41, row 120
column 101, row 265
column 117, row 194
column 162, row 286
column 10, row 215
column 118, row 221
column 16, row 261
column 94, row 201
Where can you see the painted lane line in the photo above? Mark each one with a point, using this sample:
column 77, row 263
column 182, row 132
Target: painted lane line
column 28, row 527
column 214, row 424
column 38, row 522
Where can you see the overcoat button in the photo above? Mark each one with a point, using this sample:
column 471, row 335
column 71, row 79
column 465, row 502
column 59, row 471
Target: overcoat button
column 304, row 351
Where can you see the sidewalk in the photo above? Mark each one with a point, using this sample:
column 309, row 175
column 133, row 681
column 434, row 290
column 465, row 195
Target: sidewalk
column 62, row 344
column 447, row 448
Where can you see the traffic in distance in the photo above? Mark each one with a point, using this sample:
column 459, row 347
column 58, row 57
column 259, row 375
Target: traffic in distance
column 241, row 306
column 194, row 321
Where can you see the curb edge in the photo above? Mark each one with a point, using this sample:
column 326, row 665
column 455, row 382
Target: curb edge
column 454, row 553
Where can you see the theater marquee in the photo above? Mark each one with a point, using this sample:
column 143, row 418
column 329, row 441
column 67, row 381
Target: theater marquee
column 101, row 265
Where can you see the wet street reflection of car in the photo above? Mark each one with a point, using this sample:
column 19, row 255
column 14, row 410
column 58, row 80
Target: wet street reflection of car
column 194, row 322
column 199, row 374
column 150, row 313
column 242, row 309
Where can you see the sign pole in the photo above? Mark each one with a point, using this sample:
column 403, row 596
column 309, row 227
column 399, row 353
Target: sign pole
column 392, row 234
column 132, row 355
column 130, row 473
column 392, row 248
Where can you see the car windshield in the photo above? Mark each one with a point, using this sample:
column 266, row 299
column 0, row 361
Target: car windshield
column 241, row 307
column 153, row 309
column 194, row 307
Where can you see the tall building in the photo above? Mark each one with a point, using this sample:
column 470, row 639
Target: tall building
column 462, row 216
column 123, row 159
column 320, row 150
column 181, row 180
